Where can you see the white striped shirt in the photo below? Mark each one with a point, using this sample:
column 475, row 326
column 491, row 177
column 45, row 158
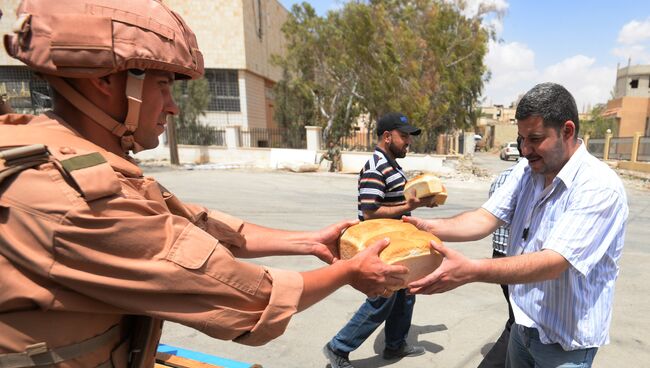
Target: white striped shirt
column 582, row 216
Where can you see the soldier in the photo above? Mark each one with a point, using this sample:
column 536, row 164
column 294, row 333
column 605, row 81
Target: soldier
column 333, row 154
column 93, row 255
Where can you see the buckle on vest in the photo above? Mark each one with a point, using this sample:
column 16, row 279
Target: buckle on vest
column 36, row 349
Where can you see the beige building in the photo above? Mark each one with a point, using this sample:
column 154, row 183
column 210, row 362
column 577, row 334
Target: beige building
column 497, row 125
column 630, row 106
column 237, row 38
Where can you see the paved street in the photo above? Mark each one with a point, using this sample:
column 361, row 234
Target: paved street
column 455, row 328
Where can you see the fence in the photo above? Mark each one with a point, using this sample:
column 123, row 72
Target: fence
column 643, row 153
column 26, row 93
column 633, row 149
column 273, row 138
column 201, row 135
column 597, row 147
column 620, row 148
column 359, row 141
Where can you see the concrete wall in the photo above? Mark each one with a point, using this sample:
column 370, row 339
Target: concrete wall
column 219, row 29
column 232, row 35
column 624, row 76
column 263, row 37
column 632, row 114
column 504, row 133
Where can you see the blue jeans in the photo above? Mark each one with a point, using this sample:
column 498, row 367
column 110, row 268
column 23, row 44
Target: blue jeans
column 526, row 350
column 396, row 310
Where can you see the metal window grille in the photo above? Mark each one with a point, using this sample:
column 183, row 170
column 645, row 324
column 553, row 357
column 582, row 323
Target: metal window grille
column 25, row 92
column 224, row 90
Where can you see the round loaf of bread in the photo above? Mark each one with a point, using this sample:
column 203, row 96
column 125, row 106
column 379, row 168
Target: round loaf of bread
column 408, row 245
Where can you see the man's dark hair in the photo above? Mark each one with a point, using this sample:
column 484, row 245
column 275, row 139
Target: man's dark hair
column 552, row 102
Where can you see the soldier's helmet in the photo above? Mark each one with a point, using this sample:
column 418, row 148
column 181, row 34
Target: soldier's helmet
column 82, row 39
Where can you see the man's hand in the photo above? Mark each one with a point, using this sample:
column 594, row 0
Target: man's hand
column 414, row 202
column 372, row 276
column 422, row 224
column 455, row 270
column 326, row 246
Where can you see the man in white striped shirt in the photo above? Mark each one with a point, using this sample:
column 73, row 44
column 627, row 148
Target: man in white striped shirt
column 567, row 213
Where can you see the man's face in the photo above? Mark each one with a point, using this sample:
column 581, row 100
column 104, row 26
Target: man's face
column 399, row 143
column 157, row 104
column 544, row 147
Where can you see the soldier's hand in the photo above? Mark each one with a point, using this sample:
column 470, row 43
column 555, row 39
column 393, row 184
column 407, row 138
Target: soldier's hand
column 327, row 241
column 372, row 276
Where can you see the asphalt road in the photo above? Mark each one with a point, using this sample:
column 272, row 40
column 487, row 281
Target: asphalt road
column 456, row 328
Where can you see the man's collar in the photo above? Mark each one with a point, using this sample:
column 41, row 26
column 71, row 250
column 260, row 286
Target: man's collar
column 569, row 171
column 388, row 158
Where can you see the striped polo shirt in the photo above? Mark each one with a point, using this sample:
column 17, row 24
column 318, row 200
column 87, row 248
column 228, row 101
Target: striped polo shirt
column 582, row 216
column 381, row 183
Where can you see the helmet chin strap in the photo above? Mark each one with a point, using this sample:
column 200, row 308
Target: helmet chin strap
column 124, row 131
column 134, row 83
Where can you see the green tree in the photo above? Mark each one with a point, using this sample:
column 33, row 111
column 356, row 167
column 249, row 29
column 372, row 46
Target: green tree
column 597, row 125
column 421, row 57
column 192, row 98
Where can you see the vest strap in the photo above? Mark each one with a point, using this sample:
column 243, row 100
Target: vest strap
column 40, row 354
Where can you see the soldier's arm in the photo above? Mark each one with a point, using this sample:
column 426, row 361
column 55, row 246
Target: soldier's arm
column 263, row 241
column 365, row 272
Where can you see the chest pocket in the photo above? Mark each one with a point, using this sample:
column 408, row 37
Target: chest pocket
column 92, row 175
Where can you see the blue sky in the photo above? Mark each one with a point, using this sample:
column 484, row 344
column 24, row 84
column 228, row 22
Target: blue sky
column 577, row 43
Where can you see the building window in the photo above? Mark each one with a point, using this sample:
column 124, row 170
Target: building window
column 634, row 83
column 224, row 90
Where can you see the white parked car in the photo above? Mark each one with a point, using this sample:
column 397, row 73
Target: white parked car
column 509, row 151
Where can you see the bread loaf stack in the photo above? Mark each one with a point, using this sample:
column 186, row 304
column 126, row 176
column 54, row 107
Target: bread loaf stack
column 408, row 245
column 426, row 185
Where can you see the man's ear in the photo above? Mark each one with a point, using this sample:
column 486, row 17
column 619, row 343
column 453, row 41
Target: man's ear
column 102, row 84
column 569, row 129
column 110, row 84
column 385, row 136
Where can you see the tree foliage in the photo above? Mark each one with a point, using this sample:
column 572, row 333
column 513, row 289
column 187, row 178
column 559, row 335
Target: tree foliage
column 420, row 57
column 192, row 98
column 598, row 124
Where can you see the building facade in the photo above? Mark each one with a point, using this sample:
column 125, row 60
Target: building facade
column 237, row 38
column 630, row 106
